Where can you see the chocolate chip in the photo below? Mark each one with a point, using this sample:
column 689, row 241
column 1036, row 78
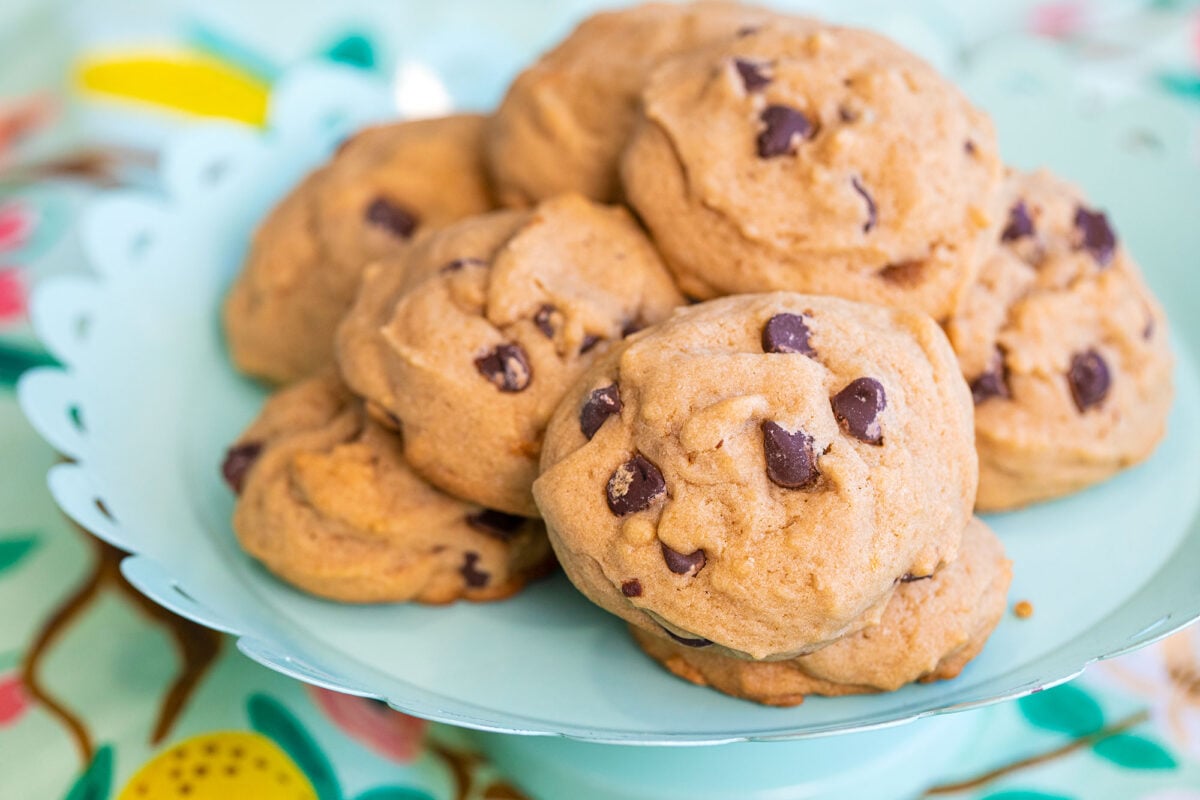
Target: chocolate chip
column 238, row 461
column 396, row 218
column 992, row 383
column 783, row 130
column 1089, row 379
column 496, row 523
column 908, row 577
column 857, row 408
column 969, row 147
column 459, row 263
column 601, row 404
column 1020, row 224
column 847, row 115
column 752, row 75
column 474, row 577
column 1095, row 234
column 507, row 367
column 590, row 340
column 787, row 333
column 697, row 642
column 631, row 327
column 905, row 273
column 791, row 462
column 632, row 588
column 544, row 319
column 681, row 564
column 1148, row 328
column 746, row 30
column 634, row 486
column 872, row 213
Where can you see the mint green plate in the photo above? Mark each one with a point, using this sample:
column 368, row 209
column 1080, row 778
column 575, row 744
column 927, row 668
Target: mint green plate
column 147, row 401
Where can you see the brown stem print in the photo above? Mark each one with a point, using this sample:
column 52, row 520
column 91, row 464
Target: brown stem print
column 198, row 646
column 1120, row 726
column 465, row 767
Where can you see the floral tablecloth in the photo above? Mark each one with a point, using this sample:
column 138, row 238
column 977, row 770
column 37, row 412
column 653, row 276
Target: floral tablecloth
column 105, row 695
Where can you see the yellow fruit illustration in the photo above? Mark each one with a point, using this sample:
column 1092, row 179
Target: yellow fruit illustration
column 229, row 765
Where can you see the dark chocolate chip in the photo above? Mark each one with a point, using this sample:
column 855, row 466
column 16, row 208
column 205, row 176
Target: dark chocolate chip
column 590, row 340
column 904, row 273
column 686, row 642
column 632, row 588
column 752, row 74
column 1020, row 224
column 969, row 147
column 474, row 577
column 993, row 383
column 396, row 218
column 634, row 486
column 238, row 461
column 496, row 523
column 1148, row 328
column 506, row 367
column 857, row 408
column 847, row 115
column 872, row 212
column 791, row 462
column 783, row 130
column 681, row 564
column 787, row 333
column 601, row 404
column 1089, row 379
column 631, row 327
column 908, row 577
column 544, row 319
column 1095, row 234
column 746, row 30
column 459, row 263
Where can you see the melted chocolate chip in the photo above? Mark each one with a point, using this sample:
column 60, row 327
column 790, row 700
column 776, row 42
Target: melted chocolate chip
column 791, row 462
column 601, row 404
column 496, row 523
column 872, row 212
column 459, row 263
column 544, row 319
column 752, row 74
column 392, row 216
column 590, row 340
column 1089, row 379
column 506, row 367
column 908, row 577
column 857, row 408
column 1020, row 224
column 632, row 588
column 787, row 333
column 993, row 383
column 238, row 461
column 634, row 486
column 783, row 130
column 697, row 642
column 1095, row 235
column 474, row 577
column 905, row 273
column 688, row 564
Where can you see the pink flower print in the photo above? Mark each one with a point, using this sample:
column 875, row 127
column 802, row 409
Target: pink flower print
column 12, row 296
column 17, row 222
column 372, row 723
column 1058, row 20
column 13, row 701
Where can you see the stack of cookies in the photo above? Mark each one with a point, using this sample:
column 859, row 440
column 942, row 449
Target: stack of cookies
column 735, row 314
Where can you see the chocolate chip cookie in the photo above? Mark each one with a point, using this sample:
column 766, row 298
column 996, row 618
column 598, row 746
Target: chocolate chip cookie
column 563, row 122
column 931, row 628
column 385, row 186
column 471, row 342
column 327, row 502
column 758, row 472
column 1065, row 348
column 812, row 158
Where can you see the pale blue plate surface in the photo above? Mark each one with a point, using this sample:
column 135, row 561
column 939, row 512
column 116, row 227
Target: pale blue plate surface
column 148, row 401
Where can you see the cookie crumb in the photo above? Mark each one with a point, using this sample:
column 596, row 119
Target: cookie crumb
column 1023, row 609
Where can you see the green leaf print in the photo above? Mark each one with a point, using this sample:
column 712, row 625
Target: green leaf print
column 394, row 793
column 14, row 361
column 354, row 49
column 269, row 717
column 1134, row 752
column 1065, row 709
column 96, row 781
column 14, row 550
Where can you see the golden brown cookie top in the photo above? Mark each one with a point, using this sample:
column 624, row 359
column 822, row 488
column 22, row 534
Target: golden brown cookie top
column 564, row 120
column 472, row 342
column 758, row 471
